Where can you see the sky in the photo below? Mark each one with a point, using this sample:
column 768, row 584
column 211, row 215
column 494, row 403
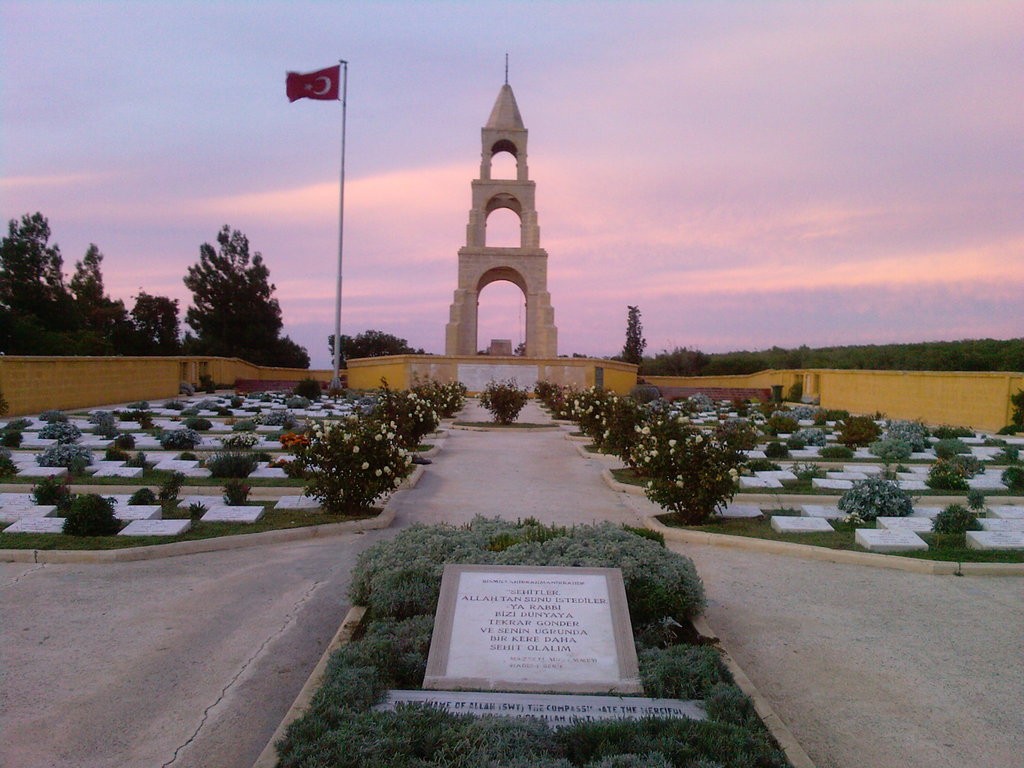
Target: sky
column 748, row 174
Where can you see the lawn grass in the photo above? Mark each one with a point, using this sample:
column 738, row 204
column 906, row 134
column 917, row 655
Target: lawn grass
column 944, row 547
column 272, row 520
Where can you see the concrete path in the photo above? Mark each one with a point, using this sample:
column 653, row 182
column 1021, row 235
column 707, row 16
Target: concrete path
column 192, row 661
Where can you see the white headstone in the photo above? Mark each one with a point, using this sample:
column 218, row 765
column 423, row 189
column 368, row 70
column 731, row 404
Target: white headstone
column 787, row 524
column 990, row 539
column 884, row 540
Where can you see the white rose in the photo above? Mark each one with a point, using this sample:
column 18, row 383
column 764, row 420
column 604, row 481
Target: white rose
column 366, row 465
column 378, row 473
column 355, row 449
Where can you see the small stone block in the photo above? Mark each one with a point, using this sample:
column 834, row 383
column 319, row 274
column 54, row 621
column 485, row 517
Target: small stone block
column 742, row 510
column 823, row 511
column 915, row 524
column 233, row 514
column 786, row 524
column 1007, row 511
column 138, row 512
column 297, row 502
column 155, row 528
column 990, row 539
column 36, row 524
column 884, row 540
column 1002, row 526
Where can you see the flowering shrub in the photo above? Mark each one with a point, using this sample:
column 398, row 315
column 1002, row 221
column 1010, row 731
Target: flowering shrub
column 61, row 431
column 198, row 423
column 810, row 436
column 235, row 493
column 622, row 416
column 447, row 399
column 53, row 490
column 738, row 433
column 588, row 410
column 858, row 431
column 691, row 474
column 876, row 497
column 242, row 441
column 351, row 463
column 914, row 433
column 75, row 458
column 179, row 439
column 291, row 440
column 504, row 399
column 283, row 419
column 701, row 402
column 405, row 414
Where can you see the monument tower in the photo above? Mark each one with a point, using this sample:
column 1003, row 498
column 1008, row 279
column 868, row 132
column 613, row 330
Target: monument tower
column 525, row 266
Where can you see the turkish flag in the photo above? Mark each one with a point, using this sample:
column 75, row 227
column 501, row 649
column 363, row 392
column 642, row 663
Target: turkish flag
column 322, row 85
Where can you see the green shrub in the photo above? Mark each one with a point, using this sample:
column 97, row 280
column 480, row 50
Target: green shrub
column 876, row 497
column 142, row 497
column 91, row 515
column 11, row 438
column 405, row 416
column 947, row 475
column 61, row 431
column 891, row 450
column 810, row 436
column 779, row 423
column 681, row 671
column 138, row 460
column 955, row 519
column 727, row 703
column 198, row 423
column 350, row 464
column 836, row 452
column 235, row 464
column 976, row 499
column 913, row 433
column 644, row 393
column 7, row 466
column 171, row 487
column 74, row 458
column 761, row 465
column 946, row 432
column 53, row 417
column 446, row 399
column 52, row 490
column 947, row 449
column 1009, row 455
column 196, row 510
column 646, row 533
column 114, row 453
column 1013, row 478
column 179, row 439
column 398, row 647
column 776, row 450
column 691, row 474
column 236, row 493
column 308, row 388
column 244, row 425
column 504, row 399
column 125, row 441
column 738, row 434
column 622, row 418
column 858, row 431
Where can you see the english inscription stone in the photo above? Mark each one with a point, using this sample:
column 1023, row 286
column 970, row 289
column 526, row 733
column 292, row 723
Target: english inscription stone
column 532, row 629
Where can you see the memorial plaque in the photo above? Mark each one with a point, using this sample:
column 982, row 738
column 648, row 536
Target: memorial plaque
column 532, row 628
column 556, row 710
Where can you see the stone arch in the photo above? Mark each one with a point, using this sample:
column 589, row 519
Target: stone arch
column 506, row 274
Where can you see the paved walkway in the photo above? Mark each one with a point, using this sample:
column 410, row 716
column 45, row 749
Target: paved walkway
column 191, row 661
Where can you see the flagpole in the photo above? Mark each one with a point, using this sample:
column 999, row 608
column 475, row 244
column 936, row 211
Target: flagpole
column 336, row 380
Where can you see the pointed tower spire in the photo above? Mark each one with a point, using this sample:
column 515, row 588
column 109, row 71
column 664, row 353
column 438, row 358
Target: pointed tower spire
column 505, row 115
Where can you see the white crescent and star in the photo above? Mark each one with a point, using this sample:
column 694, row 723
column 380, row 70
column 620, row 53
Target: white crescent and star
column 319, row 90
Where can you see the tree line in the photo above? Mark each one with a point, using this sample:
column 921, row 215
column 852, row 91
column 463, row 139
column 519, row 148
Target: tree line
column 233, row 311
column 963, row 355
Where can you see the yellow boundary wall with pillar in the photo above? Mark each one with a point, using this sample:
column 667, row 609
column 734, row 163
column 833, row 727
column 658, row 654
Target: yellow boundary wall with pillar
column 977, row 400
column 403, row 371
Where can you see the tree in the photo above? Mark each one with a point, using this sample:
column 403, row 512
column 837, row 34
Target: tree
column 155, row 319
column 233, row 310
column 372, row 343
column 106, row 328
column 36, row 305
column 633, row 351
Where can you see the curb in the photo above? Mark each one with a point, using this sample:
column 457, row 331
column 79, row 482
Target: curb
column 615, row 485
column 846, row 556
column 775, row 725
column 216, row 544
column 351, row 622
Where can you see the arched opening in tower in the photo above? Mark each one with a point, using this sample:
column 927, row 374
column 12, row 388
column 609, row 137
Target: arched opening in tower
column 501, row 315
column 504, row 230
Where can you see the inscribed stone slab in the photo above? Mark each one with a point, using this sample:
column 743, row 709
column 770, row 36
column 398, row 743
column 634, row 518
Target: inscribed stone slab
column 821, row 510
column 36, row 524
column 884, row 540
column 557, row 710
column 476, row 377
column 749, row 483
column 742, row 510
column 988, row 539
column 915, row 524
column 155, row 528
column 24, row 471
column 532, row 628
column 1007, row 511
column 831, row 485
column 224, row 513
column 138, row 511
column 789, row 524
column 297, row 502
column 1003, row 526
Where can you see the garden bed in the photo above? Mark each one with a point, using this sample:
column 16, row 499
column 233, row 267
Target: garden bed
column 399, row 582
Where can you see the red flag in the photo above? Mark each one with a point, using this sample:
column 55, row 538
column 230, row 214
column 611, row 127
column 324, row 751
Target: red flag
column 322, row 85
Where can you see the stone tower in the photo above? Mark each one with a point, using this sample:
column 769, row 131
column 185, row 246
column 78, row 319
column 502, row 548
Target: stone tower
column 481, row 265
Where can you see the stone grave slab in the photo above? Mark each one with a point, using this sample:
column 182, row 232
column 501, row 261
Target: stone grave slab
column 742, row 510
column 95, row 442
column 297, row 502
column 16, row 499
column 155, row 528
column 1002, row 526
column 36, row 524
column 863, row 453
column 826, row 484
column 990, row 539
column 556, row 710
column 913, row 485
column 1007, row 511
column 532, row 628
column 788, row 524
column 782, row 475
column 275, row 472
column 846, row 475
column 986, row 481
column 810, row 452
column 224, row 513
column 121, row 471
column 207, row 501
column 915, row 524
column 824, row 511
column 754, row 454
column 37, row 471
column 749, row 483
column 14, row 512
column 138, row 512
column 144, row 442
column 176, row 465
column 885, row 540
column 927, row 455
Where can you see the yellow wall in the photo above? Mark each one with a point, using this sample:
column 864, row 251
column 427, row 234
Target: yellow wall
column 978, row 400
column 34, row 384
column 404, row 370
